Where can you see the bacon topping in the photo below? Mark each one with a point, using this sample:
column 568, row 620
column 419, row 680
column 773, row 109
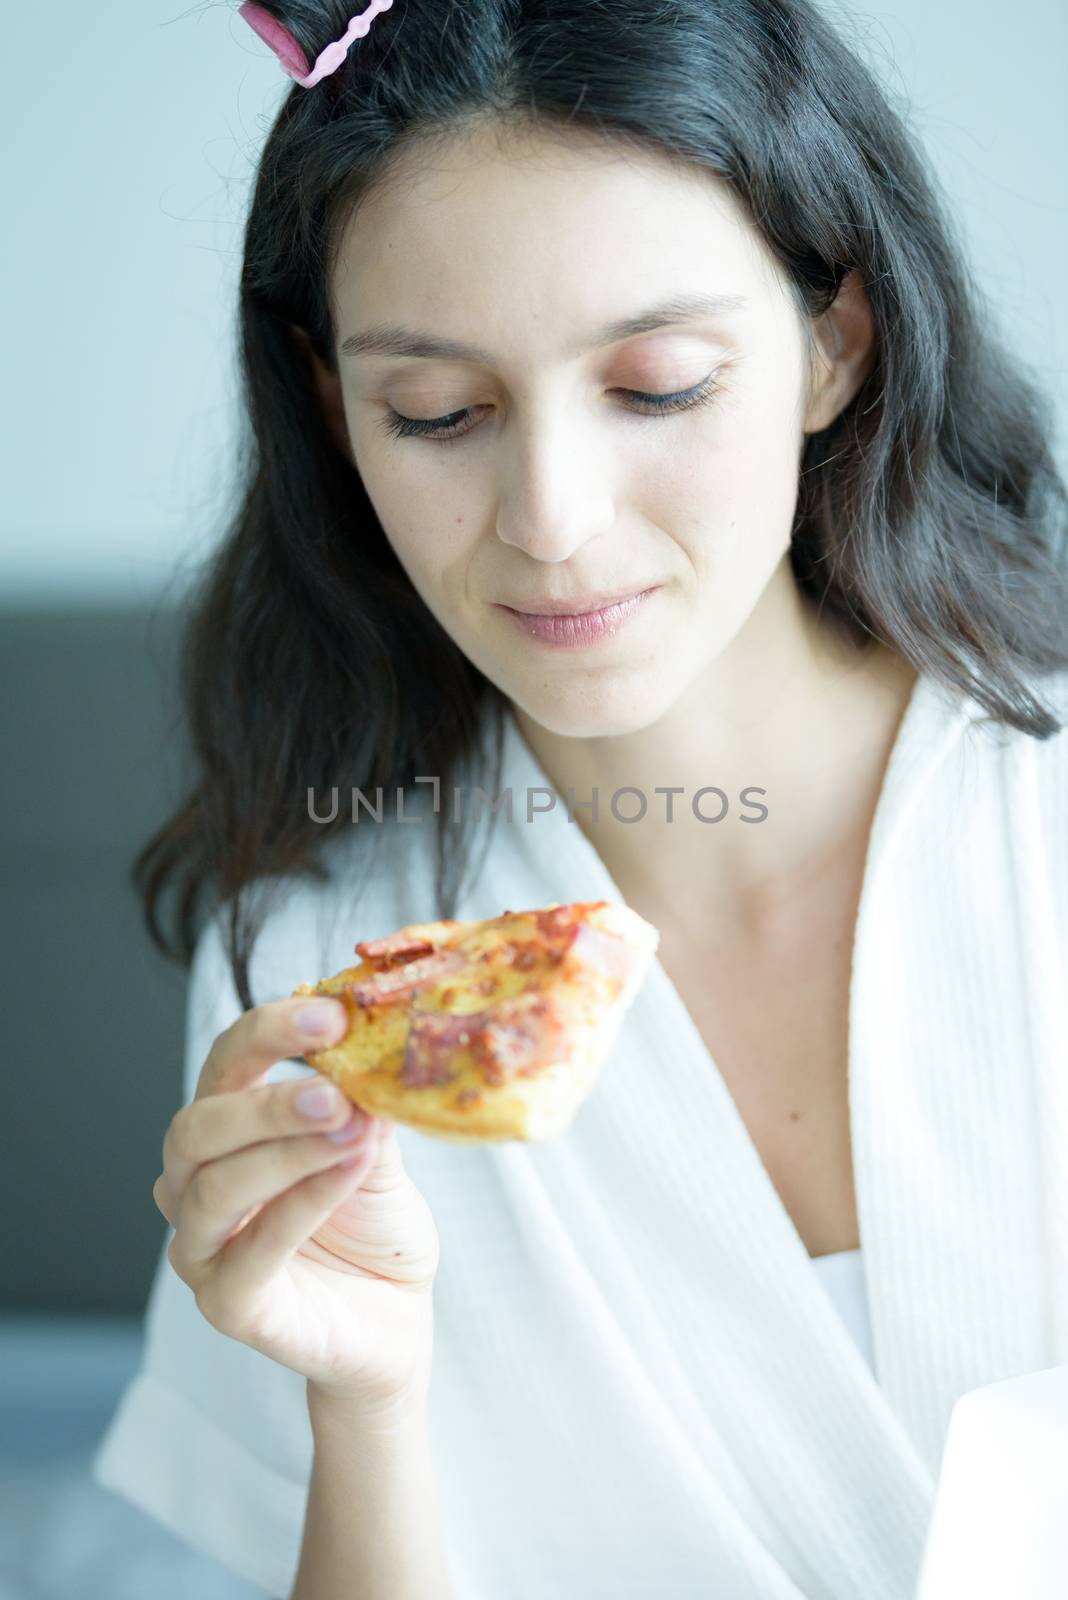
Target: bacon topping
column 517, row 1038
column 551, row 924
column 606, row 952
column 405, row 980
column 401, row 946
column 514, row 1038
column 433, row 1038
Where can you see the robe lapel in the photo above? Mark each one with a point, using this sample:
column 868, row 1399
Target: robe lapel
column 695, row 1262
column 944, row 1112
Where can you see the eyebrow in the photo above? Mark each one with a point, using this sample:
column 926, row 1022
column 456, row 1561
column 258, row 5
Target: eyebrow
column 390, row 339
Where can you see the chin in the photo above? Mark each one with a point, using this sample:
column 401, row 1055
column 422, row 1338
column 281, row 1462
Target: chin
column 593, row 710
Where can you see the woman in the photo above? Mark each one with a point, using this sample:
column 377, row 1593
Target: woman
column 615, row 387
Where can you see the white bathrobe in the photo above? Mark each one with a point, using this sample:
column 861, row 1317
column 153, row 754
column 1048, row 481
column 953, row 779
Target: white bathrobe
column 640, row 1386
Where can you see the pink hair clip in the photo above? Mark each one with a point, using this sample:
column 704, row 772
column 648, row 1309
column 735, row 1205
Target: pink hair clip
column 294, row 61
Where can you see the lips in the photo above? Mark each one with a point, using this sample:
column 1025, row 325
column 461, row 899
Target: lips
column 575, row 630
column 572, row 608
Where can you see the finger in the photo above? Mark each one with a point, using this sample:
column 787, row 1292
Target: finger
column 252, row 1044
column 253, row 1257
column 164, row 1201
column 220, row 1195
column 218, row 1124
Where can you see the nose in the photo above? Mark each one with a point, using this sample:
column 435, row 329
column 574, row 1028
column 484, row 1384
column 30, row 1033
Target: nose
column 556, row 497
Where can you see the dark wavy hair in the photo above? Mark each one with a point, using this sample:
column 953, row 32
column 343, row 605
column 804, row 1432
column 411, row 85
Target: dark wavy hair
column 930, row 513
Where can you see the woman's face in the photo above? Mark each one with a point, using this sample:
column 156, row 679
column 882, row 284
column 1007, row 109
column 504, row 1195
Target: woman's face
column 553, row 482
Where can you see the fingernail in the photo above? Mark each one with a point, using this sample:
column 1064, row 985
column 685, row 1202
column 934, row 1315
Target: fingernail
column 319, row 1018
column 318, row 1100
column 352, row 1129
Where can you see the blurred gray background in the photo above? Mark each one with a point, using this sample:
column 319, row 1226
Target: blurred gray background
column 125, row 192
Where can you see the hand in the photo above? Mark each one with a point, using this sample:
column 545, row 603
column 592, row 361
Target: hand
column 327, row 1269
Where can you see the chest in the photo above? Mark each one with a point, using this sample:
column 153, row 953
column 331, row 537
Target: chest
column 775, row 1021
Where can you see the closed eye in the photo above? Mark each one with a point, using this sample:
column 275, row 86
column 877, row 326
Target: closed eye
column 440, row 430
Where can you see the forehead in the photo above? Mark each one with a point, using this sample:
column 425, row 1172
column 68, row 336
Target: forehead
column 553, row 224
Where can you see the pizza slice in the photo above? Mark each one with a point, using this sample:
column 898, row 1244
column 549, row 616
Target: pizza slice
column 482, row 1031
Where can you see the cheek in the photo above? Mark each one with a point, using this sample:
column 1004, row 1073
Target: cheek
column 426, row 535
column 434, row 548
column 730, row 496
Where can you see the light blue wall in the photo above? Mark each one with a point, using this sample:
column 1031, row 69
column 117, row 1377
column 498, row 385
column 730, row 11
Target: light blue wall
column 129, row 153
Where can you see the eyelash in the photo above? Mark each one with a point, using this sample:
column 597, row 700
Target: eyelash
column 400, row 427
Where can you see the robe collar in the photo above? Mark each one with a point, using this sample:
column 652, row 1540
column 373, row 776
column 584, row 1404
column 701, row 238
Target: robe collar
column 830, row 1467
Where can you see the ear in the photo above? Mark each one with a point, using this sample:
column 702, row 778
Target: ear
column 328, row 387
column 845, row 350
